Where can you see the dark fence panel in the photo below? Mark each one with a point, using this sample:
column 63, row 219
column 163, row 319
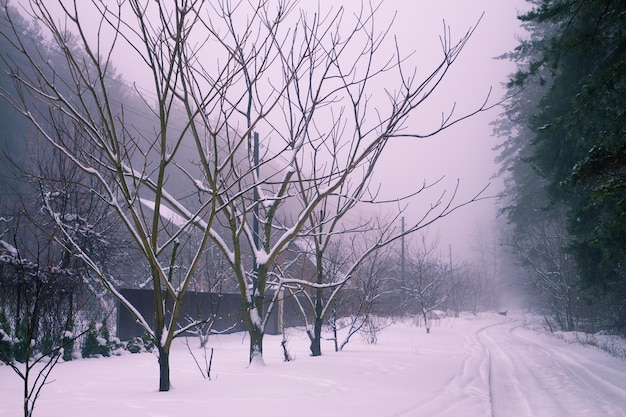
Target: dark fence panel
column 196, row 306
column 228, row 311
column 200, row 306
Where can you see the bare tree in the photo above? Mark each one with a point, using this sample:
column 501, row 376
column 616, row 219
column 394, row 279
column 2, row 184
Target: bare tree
column 464, row 286
column 42, row 299
column 220, row 71
column 345, row 259
column 427, row 278
column 328, row 232
column 342, row 284
column 371, row 283
column 551, row 272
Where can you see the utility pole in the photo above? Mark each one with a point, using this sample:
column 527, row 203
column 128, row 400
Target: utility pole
column 402, row 252
column 255, row 220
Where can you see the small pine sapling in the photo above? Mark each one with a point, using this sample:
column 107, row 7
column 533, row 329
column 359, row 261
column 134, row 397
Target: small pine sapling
column 6, row 343
column 148, row 343
column 68, row 344
column 47, row 345
column 91, row 347
column 135, row 345
column 21, row 343
column 104, row 340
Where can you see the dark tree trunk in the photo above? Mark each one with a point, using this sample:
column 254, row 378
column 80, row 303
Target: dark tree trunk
column 316, row 347
column 426, row 321
column 164, row 369
column 316, row 340
column 256, row 344
column 334, row 325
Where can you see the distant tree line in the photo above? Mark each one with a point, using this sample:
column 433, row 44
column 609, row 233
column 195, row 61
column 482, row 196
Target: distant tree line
column 565, row 161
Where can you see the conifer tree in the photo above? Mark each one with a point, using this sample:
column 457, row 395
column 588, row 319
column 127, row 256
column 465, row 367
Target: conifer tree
column 6, row 346
column 104, row 347
column 572, row 136
column 91, row 346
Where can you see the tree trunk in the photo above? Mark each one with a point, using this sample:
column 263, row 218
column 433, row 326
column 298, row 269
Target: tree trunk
column 316, row 344
column 426, row 323
column 254, row 317
column 316, row 341
column 164, row 369
column 256, row 345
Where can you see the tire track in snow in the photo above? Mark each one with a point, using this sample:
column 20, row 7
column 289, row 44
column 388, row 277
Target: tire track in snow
column 508, row 371
column 531, row 378
column 507, row 398
column 466, row 393
column 592, row 387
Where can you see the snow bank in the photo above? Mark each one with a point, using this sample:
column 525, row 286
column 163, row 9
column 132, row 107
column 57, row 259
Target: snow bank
column 407, row 373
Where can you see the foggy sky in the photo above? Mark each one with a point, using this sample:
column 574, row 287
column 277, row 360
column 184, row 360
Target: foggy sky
column 463, row 152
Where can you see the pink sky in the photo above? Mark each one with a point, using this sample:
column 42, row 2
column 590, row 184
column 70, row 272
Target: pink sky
column 464, row 151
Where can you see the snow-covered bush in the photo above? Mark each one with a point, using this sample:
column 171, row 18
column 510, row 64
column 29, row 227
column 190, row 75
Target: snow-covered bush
column 98, row 342
column 134, row 345
column 91, row 346
column 6, row 343
column 104, row 339
column 21, row 342
column 612, row 344
column 68, row 346
column 139, row 344
column 116, row 346
column 148, row 344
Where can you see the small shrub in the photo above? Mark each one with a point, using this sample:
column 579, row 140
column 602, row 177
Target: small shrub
column 47, row 344
column 371, row 328
column 116, row 346
column 91, row 345
column 21, row 343
column 140, row 344
column 68, row 345
column 104, row 339
column 135, row 345
column 148, row 343
column 6, row 343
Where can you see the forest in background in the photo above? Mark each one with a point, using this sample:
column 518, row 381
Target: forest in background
column 564, row 161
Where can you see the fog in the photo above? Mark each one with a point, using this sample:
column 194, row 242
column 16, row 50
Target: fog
column 462, row 154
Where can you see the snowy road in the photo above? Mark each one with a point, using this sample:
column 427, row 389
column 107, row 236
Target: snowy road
column 473, row 366
column 539, row 377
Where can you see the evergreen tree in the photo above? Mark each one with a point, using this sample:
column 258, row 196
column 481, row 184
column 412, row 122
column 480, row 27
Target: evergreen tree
column 22, row 340
column 574, row 140
column 134, row 345
column 47, row 344
column 6, row 346
column 68, row 345
column 105, row 339
column 91, row 346
column 581, row 129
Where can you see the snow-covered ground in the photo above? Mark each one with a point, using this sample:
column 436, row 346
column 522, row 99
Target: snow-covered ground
column 487, row 365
